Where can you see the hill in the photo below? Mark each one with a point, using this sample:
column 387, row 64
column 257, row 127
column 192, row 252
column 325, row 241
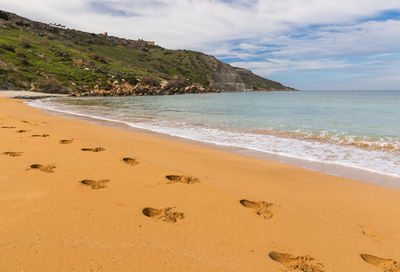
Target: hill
column 55, row 59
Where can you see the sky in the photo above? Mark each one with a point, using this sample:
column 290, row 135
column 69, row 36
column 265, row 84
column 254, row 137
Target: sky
column 305, row 44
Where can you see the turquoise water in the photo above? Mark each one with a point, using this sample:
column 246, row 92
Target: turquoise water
column 359, row 129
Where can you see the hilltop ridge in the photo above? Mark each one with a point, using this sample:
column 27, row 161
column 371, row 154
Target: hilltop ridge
column 52, row 58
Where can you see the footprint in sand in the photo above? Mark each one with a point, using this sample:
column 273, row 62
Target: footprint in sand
column 300, row 263
column 388, row 265
column 41, row 135
column 67, row 141
column 367, row 231
column 130, row 161
column 26, row 122
column 96, row 149
column 21, row 131
column 261, row 207
column 44, row 168
column 182, row 179
column 12, row 154
column 8, row 127
column 95, row 184
column 166, row 214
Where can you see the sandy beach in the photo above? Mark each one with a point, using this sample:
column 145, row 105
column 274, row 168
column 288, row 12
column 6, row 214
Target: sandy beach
column 75, row 196
column 27, row 94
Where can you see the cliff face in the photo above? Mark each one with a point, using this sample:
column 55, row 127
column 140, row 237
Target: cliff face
column 227, row 77
column 51, row 58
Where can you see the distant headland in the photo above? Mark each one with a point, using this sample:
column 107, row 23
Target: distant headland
column 53, row 59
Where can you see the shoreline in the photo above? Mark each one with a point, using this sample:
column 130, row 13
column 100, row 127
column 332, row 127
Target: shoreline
column 52, row 221
column 27, row 94
column 339, row 170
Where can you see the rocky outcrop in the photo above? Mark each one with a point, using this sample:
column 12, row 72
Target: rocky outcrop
column 124, row 88
column 174, row 86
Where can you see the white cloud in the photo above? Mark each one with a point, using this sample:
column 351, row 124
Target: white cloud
column 190, row 23
column 337, row 41
column 274, row 65
column 237, row 28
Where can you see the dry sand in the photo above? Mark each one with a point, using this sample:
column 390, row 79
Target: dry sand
column 63, row 209
column 27, row 94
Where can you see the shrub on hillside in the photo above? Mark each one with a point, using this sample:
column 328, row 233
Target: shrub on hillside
column 52, row 86
column 3, row 15
column 25, row 44
column 149, row 80
column 131, row 79
column 64, row 55
column 8, row 47
column 20, row 23
column 100, row 70
column 22, row 57
column 97, row 58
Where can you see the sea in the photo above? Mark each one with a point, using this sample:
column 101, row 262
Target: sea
column 353, row 134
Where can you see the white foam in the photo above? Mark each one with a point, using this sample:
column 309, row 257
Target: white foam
column 376, row 161
column 385, row 163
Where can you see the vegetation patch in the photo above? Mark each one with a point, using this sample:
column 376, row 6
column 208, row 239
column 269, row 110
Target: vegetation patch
column 53, row 58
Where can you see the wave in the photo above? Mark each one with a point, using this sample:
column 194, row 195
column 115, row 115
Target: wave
column 361, row 153
column 361, row 141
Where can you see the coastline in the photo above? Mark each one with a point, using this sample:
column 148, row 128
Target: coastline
column 336, row 169
column 27, row 94
column 51, row 222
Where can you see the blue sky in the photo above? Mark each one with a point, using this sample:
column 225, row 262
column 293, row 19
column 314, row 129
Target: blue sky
column 306, row 44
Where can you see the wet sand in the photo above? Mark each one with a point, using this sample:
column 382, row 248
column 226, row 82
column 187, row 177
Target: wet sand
column 75, row 196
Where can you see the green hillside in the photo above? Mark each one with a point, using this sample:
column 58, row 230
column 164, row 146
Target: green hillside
column 51, row 58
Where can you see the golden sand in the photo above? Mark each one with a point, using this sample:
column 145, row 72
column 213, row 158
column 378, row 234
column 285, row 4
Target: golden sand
column 146, row 203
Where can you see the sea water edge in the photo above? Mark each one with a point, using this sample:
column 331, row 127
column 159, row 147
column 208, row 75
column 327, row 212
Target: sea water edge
column 354, row 134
